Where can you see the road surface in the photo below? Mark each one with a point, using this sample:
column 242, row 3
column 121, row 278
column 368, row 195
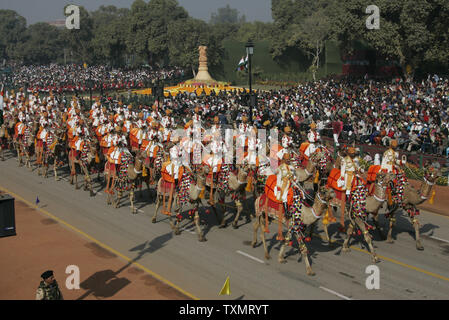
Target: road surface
column 199, row 269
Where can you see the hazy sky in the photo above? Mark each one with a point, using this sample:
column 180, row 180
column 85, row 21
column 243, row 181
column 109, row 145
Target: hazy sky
column 49, row 10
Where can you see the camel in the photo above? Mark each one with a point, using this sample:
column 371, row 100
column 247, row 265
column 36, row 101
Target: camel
column 6, row 137
column 85, row 157
column 373, row 202
column 234, row 186
column 357, row 219
column 411, row 199
column 195, row 194
column 26, row 145
column 303, row 217
column 126, row 174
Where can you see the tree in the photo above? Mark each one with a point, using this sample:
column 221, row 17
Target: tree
column 148, row 26
column 12, row 29
column 79, row 41
column 185, row 36
column 227, row 15
column 411, row 31
column 310, row 36
column 285, row 14
column 42, row 44
column 109, row 41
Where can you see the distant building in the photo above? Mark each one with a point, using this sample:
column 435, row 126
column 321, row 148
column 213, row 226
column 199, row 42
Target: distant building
column 57, row 23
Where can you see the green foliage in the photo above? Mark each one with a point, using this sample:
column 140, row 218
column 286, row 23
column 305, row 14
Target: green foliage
column 42, row 43
column 227, row 15
column 79, row 41
column 12, row 29
column 109, row 41
column 413, row 32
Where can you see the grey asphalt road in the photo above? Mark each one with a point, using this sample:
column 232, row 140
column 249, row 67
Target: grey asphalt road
column 201, row 268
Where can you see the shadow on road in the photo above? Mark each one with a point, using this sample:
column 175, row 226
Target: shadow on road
column 106, row 283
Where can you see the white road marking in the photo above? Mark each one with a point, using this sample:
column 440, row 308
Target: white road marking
column 189, row 230
column 436, row 238
column 99, row 193
column 336, row 293
column 250, row 256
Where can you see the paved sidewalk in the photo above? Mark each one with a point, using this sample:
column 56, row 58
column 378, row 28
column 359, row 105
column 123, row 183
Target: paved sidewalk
column 42, row 243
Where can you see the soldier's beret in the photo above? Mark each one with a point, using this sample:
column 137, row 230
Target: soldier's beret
column 47, row 274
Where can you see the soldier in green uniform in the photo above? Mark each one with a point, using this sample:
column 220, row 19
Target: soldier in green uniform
column 48, row 288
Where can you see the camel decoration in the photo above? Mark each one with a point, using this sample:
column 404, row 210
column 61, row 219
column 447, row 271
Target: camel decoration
column 191, row 190
column 358, row 214
column 296, row 221
column 228, row 183
column 81, row 157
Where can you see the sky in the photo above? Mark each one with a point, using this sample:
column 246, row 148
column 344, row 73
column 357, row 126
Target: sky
column 49, row 10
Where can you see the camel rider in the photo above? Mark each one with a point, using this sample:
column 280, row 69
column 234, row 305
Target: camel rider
column 350, row 167
column 215, row 160
column 155, row 114
column 284, row 174
column 197, row 117
column 391, row 163
column 216, row 126
column 312, row 137
column 167, row 121
column 251, row 156
column 152, row 151
column 390, row 159
column 114, row 155
column 286, row 143
column 172, row 172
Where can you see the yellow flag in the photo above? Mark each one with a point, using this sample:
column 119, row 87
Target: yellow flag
column 225, row 290
column 432, row 197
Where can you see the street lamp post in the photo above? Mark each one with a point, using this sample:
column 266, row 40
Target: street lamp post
column 249, row 52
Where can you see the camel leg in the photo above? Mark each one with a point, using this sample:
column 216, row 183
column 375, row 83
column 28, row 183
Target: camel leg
column 377, row 226
column 201, row 237
column 415, row 223
column 256, row 226
column 262, row 235
column 367, row 237
column 390, row 231
column 223, row 210
column 348, row 237
column 131, row 200
column 237, row 215
column 326, row 232
column 285, row 243
column 158, row 202
column 55, row 171
column 76, row 180
column 342, row 217
column 117, row 200
column 304, row 253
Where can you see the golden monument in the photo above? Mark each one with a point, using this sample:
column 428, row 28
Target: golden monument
column 203, row 73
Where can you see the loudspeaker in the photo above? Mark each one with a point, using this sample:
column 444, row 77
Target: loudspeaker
column 7, row 216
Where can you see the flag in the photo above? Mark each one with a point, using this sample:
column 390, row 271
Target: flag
column 242, row 64
column 226, row 290
column 37, row 200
